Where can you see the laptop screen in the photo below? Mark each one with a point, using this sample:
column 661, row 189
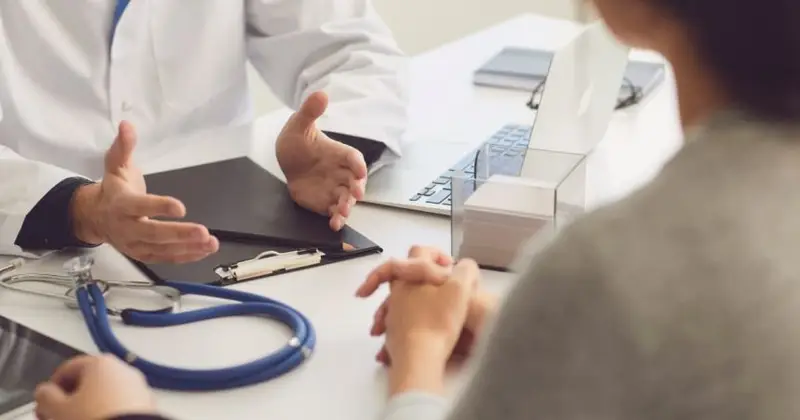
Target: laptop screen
column 27, row 359
column 581, row 93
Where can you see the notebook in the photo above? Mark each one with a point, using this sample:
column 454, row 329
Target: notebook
column 250, row 211
column 524, row 69
column 515, row 68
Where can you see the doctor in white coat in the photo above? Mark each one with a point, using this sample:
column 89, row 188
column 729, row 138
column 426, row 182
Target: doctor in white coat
column 84, row 82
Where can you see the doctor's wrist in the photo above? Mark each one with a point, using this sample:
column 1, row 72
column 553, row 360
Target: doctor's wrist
column 85, row 214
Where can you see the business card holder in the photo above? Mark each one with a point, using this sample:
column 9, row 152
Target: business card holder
column 495, row 214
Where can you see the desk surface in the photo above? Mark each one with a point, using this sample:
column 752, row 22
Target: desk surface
column 342, row 381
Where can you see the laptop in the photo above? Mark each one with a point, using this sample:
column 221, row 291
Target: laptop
column 576, row 105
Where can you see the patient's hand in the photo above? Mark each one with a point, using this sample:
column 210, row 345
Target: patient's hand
column 426, row 265
column 94, row 387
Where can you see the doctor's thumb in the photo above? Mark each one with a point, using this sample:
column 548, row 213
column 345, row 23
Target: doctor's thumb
column 121, row 151
column 313, row 108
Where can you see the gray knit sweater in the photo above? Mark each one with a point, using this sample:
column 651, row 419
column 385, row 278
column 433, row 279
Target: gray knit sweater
column 681, row 301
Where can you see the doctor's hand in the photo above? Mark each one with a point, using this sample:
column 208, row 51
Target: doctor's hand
column 120, row 212
column 323, row 175
column 94, row 387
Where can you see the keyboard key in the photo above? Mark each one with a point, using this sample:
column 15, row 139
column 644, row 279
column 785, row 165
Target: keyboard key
column 415, row 198
column 506, row 146
column 439, row 198
column 448, row 202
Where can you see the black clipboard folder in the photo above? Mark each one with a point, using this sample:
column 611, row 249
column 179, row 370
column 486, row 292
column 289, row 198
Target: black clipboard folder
column 251, row 213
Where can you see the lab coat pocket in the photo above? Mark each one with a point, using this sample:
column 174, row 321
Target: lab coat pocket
column 198, row 50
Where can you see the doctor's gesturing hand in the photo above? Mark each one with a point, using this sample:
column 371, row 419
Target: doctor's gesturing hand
column 118, row 211
column 323, row 175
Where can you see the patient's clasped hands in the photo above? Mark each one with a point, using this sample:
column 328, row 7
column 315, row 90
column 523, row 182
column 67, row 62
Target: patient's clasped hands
column 433, row 312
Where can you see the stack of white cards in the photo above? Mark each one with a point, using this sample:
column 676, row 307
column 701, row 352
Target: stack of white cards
column 502, row 215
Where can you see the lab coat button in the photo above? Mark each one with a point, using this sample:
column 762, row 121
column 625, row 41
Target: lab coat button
column 126, row 106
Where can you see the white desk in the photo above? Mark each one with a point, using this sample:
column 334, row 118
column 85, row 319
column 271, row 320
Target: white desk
column 342, row 381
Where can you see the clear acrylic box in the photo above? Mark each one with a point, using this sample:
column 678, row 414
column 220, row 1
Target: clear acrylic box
column 498, row 207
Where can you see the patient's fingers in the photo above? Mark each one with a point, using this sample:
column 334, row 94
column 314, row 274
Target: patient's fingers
column 431, row 253
column 379, row 320
column 413, row 270
column 383, row 357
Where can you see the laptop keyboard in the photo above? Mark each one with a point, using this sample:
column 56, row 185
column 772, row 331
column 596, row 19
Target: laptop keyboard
column 506, row 153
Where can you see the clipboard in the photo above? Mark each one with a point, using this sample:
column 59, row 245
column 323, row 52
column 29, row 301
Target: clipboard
column 262, row 232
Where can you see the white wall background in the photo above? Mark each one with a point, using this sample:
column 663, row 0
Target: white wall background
column 420, row 25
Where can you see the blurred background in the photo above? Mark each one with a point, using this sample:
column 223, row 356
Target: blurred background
column 420, row 25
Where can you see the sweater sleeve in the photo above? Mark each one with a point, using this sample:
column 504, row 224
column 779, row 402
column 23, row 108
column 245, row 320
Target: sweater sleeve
column 415, row 406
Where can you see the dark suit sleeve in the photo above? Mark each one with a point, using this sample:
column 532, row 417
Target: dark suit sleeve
column 49, row 225
column 371, row 149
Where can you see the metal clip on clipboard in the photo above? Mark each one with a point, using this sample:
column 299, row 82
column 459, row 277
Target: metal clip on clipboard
column 269, row 262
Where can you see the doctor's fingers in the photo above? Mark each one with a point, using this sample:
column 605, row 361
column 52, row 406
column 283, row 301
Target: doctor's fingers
column 162, row 232
column 148, row 205
column 171, row 253
column 353, row 160
column 343, row 177
column 415, row 270
column 343, row 200
column 339, row 211
column 337, row 222
column 155, row 258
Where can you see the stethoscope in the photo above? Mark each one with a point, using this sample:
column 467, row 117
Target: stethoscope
column 87, row 294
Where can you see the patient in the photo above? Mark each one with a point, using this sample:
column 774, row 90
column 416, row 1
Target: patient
column 679, row 302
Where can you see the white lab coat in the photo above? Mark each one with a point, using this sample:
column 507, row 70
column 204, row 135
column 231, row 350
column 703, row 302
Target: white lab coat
column 176, row 66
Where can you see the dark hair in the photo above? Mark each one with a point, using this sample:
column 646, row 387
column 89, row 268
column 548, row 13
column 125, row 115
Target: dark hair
column 753, row 47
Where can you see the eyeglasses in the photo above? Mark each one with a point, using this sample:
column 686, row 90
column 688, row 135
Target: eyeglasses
column 633, row 97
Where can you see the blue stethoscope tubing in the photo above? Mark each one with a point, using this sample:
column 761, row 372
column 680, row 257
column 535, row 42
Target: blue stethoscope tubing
column 93, row 307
